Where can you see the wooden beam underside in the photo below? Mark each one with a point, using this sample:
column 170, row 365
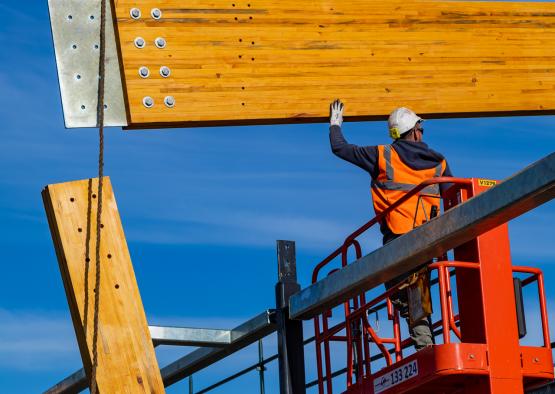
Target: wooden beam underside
column 126, row 359
column 270, row 61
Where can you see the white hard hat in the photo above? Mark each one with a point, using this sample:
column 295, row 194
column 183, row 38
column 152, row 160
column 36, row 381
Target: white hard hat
column 400, row 121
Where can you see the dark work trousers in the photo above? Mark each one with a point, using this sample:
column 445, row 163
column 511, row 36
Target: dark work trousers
column 421, row 331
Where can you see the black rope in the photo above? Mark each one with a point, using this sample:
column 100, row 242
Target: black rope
column 100, row 122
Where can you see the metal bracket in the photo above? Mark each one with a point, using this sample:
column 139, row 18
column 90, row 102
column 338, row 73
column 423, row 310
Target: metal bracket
column 76, row 34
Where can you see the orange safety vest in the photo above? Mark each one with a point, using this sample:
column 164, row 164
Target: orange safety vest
column 394, row 180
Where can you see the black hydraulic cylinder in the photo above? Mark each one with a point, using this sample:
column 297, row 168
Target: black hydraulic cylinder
column 290, row 332
column 519, row 302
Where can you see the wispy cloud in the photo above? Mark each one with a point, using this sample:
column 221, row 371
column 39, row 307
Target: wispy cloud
column 37, row 341
column 243, row 228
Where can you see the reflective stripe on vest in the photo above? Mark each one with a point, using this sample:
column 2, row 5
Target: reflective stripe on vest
column 390, row 173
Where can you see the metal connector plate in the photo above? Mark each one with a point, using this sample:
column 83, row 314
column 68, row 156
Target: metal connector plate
column 76, row 34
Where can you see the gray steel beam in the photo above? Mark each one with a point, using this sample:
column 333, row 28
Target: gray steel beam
column 183, row 336
column 241, row 336
column 518, row 194
column 180, row 336
column 74, row 383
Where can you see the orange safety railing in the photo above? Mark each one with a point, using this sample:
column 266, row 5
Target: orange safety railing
column 327, row 334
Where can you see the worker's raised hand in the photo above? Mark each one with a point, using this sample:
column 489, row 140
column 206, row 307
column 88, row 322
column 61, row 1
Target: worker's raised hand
column 336, row 113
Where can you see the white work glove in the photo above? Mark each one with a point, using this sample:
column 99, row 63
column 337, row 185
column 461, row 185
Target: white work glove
column 336, row 113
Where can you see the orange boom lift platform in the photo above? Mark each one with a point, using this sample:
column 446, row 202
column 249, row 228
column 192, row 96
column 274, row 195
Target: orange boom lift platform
column 479, row 350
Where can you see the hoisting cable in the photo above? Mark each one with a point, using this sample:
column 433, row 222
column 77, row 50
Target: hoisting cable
column 100, row 123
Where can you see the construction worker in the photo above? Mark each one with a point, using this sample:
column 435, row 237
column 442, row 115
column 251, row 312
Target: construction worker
column 395, row 169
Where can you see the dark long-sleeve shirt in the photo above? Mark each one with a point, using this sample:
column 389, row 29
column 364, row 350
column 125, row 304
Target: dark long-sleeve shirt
column 416, row 155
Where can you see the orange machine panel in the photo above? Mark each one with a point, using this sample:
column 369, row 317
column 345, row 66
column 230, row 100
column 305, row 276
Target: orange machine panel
column 203, row 62
column 126, row 359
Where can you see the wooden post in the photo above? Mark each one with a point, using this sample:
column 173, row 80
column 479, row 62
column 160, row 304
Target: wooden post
column 126, row 358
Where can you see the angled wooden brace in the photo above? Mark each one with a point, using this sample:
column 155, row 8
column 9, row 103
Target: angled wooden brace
column 126, row 359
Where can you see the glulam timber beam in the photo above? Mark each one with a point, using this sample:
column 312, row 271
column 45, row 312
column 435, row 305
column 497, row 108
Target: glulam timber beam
column 229, row 62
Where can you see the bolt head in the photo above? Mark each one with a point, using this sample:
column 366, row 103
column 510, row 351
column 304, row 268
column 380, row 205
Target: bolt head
column 148, row 102
column 160, row 42
column 135, row 13
column 169, row 101
column 140, row 42
column 144, row 72
column 156, row 13
column 165, row 71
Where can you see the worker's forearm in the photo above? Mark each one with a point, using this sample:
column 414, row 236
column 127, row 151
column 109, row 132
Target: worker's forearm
column 337, row 141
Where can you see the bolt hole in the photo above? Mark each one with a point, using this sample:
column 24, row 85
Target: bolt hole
column 96, row 46
column 87, row 260
column 233, row 5
column 236, row 18
column 94, row 196
column 80, row 229
column 72, row 199
column 101, row 225
column 252, row 58
column 250, row 17
column 248, row 5
column 242, row 88
column 105, row 106
column 74, row 46
column 116, row 286
column 91, row 17
column 243, row 104
column 109, row 256
column 70, row 17
column 240, row 40
column 240, row 56
column 83, row 107
column 78, row 76
column 252, row 42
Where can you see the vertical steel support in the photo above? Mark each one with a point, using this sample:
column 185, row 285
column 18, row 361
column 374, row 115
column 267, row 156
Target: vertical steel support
column 290, row 332
column 191, row 384
column 261, row 368
column 487, row 307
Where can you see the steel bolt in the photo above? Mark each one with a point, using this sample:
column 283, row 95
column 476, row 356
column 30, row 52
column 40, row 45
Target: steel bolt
column 156, row 13
column 148, row 102
column 135, row 13
column 165, row 71
column 160, row 42
column 144, row 72
column 471, row 356
column 140, row 42
column 169, row 101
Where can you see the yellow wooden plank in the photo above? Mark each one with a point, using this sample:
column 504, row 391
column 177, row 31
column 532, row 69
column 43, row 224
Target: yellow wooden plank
column 126, row 359
column 270, row 61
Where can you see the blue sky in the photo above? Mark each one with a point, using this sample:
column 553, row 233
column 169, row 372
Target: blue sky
column 201, row 208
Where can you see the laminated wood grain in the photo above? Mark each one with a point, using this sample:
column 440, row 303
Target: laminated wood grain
column 270, row 61
column 126, row 359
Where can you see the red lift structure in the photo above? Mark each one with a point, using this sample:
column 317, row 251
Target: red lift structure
column 479, row 351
